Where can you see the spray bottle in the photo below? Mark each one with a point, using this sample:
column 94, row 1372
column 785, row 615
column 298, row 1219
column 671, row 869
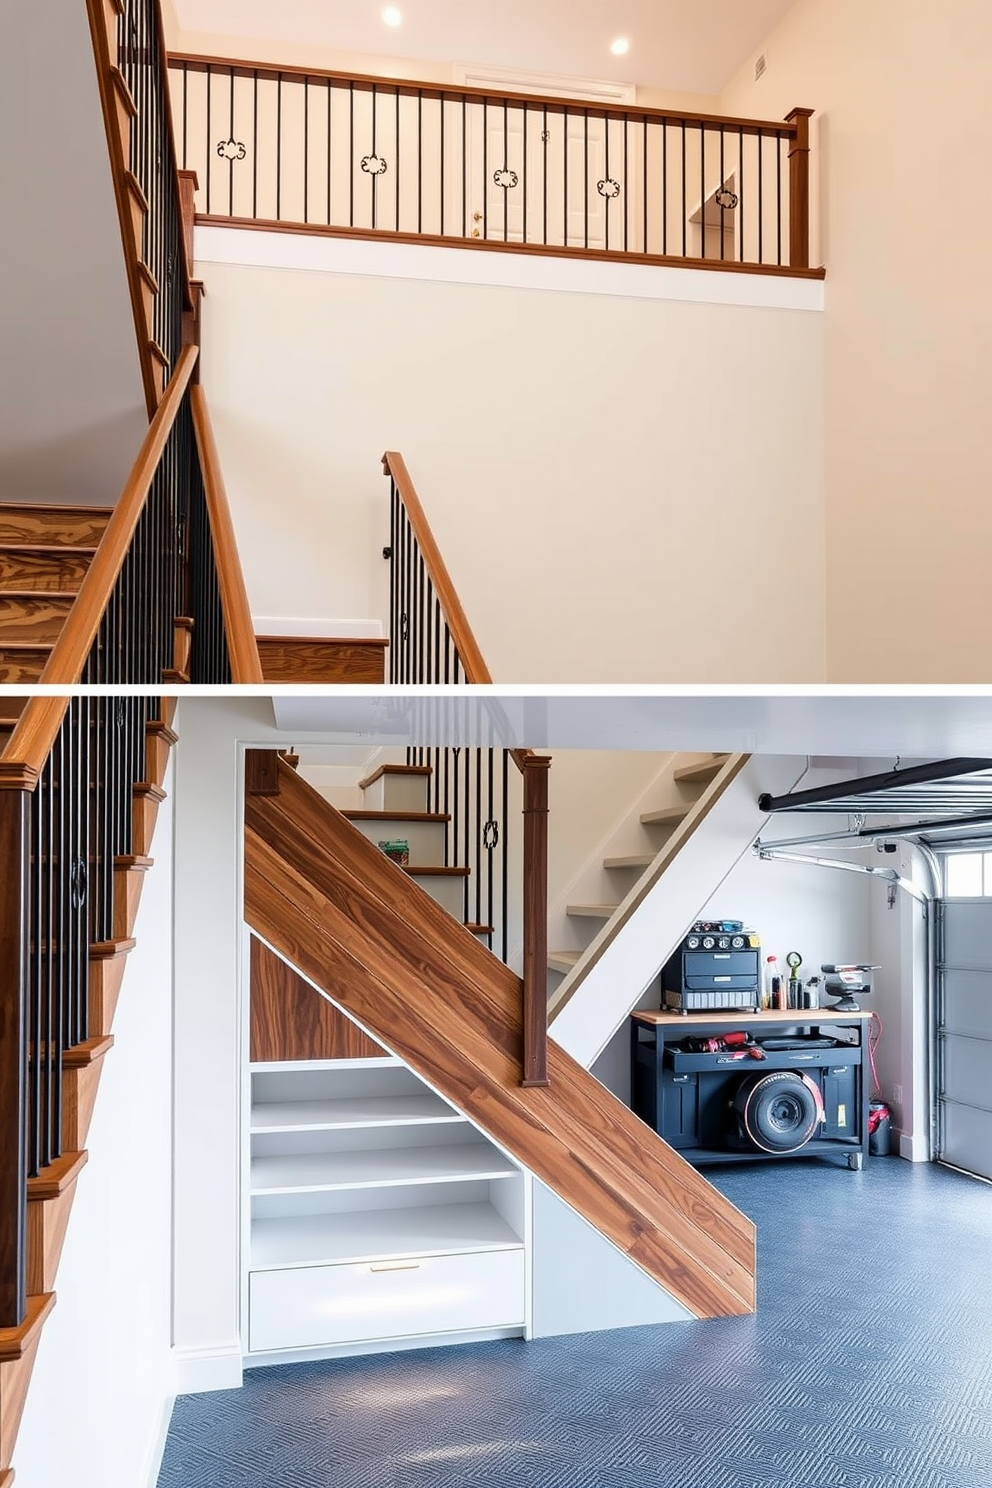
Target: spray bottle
column 771, row 983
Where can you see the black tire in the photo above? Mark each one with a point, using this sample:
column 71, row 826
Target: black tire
column 778, row 1112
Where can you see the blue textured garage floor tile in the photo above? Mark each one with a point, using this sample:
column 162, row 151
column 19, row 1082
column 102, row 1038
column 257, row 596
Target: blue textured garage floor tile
column 868, row 1365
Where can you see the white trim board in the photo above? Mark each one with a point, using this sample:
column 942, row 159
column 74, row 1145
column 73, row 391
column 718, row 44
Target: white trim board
column 271, row 249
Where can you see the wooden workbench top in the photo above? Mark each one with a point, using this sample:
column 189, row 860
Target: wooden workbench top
column 803, row 1016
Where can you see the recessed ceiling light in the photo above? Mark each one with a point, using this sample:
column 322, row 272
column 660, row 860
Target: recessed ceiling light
column 620, row 47
column 392, row 16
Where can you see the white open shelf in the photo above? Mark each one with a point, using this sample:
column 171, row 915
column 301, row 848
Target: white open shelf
column 357, row 1112
column 376, row 1168
column 377, row 1235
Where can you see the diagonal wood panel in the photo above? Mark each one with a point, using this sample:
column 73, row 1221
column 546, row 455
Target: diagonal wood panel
column 353, row 923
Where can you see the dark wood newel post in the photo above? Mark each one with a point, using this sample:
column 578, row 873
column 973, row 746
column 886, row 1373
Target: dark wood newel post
column 261, row 772
column 799, row 188
column 535, row 1013
column 14, row 818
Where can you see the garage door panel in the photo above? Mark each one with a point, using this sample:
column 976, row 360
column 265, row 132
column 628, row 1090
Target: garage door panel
column 968, row 1139
column 966, row 1072
column 968, row 934
column 968, row 1002
column 965, row 1037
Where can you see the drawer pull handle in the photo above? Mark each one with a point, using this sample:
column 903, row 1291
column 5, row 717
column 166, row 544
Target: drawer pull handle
column 397, row 1266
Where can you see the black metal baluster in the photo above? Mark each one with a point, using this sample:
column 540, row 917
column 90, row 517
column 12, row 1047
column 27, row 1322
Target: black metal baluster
column 606, row 198
column 485, row 167
column 506, row 167
column 351, row 154
column 478, row 837
column 254, row 141
column 525, row 170
column 761, row 198
column 702, row 191
column 306, row 149
column 504, row 865
column 442, row 162
column 626, row 180
column 143, row 178
column 278, row 146
column 374, row 174
column 492, row 845
column 740, row 191
column 397, row 144
column 230, row 163
column 464, row 166
column 722, row 199
column 778, row 197
column 544, row 142
column 685, row 208
column 466, row 859
column 565, row 172
column 586, row 190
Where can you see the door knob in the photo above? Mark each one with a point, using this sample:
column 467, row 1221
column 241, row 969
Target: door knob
column 476, row 216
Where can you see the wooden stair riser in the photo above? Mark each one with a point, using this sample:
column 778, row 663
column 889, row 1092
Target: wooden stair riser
column 14, row 1379
column 47, row 1222
column 70, row 526
column 144, row 814
column 426, row 838
column 124, row 107
column 399, row 789
column 138, row 212
column 149, row 294
column 79, row 1089
column 37, row 620
column 159, row 739
column 111, row 10
column 446, row 890
column 316, row 659
column 106, row 975
column 41, row 570
column 23, row 664
column 128, row 884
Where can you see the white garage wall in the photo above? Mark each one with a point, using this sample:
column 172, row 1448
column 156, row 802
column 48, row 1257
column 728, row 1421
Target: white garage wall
column 616, row 482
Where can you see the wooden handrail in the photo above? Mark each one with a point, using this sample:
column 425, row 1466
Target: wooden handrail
column 473, row 665
column 408, row 87
column 30, row 744
column 238, row 626
column 68, row 657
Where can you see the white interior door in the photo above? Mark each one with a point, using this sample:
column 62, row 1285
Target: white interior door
column 963, row 1085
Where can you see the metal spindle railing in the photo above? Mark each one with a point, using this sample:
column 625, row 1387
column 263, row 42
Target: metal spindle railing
column 376, row 155
column 142, row 60
column 168, row 572
column 64, row 828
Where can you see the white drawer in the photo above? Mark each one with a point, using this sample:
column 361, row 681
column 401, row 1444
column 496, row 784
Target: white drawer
column 315, row 1305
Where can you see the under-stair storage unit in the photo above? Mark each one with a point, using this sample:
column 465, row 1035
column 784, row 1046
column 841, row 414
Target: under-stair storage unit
column 378, row 1212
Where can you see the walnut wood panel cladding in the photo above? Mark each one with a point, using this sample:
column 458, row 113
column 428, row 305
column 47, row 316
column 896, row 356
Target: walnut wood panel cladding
column 289, row 1020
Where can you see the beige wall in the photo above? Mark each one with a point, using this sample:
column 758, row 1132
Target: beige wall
column 625, row 490
column 904, row 138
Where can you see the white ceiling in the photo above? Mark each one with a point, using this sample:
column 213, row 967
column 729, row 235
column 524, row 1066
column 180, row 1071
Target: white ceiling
column 692, row 46
column 844, row 725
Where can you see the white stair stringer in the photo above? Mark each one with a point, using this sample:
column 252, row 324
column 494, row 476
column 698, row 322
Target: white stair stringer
column 609, row 978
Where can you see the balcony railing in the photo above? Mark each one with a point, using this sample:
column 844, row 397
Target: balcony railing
column 325, row 151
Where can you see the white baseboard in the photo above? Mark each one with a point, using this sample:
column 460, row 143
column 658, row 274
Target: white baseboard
column 913, row 1148
column 156, row 1446
column 217, row 1367
column 310, row 625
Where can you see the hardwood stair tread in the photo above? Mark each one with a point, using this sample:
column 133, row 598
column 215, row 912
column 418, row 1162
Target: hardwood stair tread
column 639, row 860
column 703, row 770
column 49, row 550
column 476, row 929
column 399, row 816
column 592, row 911
column 79, row 1056
column 393, row 770
column 15, row 1342
column 57, row 525
column 667, row 816
column 417, row 871
column 56, row 1176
